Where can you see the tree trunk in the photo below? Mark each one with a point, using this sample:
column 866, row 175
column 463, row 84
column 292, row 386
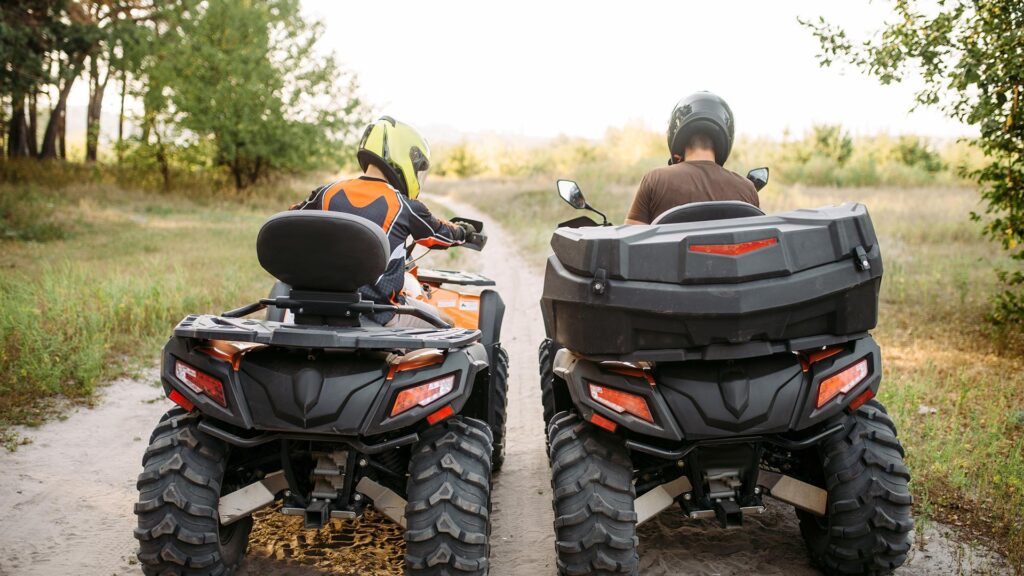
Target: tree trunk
column 17, row 143
column 97, row 88
column 120, row 118
column 62, row 150
column 49, row 148
column 33, row 125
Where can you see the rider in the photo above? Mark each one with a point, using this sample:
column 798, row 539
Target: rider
column 700, row 134
column 395, row 159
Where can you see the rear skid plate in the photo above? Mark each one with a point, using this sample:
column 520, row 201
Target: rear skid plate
column 786, row 489
column 385, row 500
column 244, row 501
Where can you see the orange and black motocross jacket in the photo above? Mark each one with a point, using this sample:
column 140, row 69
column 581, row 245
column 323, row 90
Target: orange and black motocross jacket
column 400, row 217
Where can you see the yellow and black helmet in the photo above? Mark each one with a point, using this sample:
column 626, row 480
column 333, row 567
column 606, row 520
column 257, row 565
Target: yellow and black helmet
column 400, row 152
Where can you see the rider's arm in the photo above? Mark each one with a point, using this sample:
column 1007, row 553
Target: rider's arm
column 640, row 210
column 313, row 202
column 431, row 231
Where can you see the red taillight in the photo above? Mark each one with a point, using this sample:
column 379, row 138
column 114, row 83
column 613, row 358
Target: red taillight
column 603, row 422
column 620, row 401
column 842, row 382
column 440, row 415
column 179, row 399
column 200, row 382
column 734, row 249
column 422, row 394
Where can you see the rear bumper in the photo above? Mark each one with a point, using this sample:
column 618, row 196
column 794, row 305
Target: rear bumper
column 340, row 393
column 701, row 401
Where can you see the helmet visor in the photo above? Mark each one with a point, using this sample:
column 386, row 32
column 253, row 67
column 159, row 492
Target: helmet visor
column 421, row 177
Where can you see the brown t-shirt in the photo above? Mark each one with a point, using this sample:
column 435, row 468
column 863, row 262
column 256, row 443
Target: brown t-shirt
column 700, row 181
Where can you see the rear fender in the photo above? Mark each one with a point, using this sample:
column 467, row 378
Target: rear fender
column 465, row 363
column 577, row 372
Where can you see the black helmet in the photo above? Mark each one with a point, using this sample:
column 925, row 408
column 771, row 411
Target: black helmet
column 701, row 112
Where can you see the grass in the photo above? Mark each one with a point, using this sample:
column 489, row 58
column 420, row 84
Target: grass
column 953, row 383
column 93, row 277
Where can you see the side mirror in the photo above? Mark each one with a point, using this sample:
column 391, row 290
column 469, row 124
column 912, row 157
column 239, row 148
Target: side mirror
column 571, row 193
column 759, row 176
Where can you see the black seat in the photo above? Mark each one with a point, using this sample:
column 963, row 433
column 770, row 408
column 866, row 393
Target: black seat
column 703, row 211
column 322, row 251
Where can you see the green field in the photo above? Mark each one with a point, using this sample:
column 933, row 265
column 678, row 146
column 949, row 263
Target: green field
column 952, row 382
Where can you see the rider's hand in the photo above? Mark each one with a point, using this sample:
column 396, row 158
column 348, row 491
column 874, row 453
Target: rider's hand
column 468, row 228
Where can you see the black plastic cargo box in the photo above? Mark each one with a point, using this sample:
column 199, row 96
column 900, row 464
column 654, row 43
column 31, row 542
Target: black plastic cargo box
column 716, row 289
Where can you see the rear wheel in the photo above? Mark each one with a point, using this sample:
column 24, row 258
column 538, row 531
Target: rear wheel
column 592, row 491
column 499, row 397
column 866, row 528
column 179, row 529
column 552, row 388
column 449, row 507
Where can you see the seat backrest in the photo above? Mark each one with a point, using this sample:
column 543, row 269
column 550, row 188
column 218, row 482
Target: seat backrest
column 323, row 251
column 703, row 211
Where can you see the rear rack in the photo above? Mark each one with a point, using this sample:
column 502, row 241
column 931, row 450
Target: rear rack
column 210, row 327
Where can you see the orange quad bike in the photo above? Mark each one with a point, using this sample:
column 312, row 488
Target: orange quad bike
column 319, row 411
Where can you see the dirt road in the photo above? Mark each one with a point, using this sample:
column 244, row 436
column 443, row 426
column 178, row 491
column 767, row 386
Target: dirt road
column 67, row 497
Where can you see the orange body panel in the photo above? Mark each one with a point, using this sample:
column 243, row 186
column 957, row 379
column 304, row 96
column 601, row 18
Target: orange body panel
column 463, row 308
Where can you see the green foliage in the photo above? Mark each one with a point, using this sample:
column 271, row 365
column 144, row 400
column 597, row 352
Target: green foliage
column 459, row 160
column 970, row 55
column 74, row 310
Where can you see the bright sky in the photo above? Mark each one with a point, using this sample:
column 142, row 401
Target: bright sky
column 538, row 69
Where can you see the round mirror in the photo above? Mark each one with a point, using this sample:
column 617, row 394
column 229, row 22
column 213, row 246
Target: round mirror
column 571, row 193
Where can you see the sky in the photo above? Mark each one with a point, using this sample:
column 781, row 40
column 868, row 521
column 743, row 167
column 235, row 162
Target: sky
column 538, row 69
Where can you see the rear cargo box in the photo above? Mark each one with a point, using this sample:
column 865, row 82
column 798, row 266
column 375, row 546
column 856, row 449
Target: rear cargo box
column 718, row 289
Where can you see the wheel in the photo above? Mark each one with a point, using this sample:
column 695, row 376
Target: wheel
column 448, row 515
column 176, row 411
column 866, row 529
column 553, row 393
column 179, row 528
column 592, row 495
column 499, row 394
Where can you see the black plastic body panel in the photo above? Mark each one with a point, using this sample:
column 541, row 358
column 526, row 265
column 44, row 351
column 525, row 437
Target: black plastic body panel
column 657, row 295
column 329, row 392
column 693, row 401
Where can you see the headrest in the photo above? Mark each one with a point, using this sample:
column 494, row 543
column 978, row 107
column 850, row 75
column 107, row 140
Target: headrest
column 320, row 250
column 703, row 211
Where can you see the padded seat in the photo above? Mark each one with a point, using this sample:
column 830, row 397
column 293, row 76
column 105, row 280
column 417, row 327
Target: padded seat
column 704, row 211
column 322, row 251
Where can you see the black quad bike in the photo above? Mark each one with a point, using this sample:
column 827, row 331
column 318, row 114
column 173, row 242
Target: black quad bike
column 326, row 413
column 708, row 360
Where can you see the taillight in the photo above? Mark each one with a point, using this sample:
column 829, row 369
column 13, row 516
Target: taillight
column 620, row 401
column 734, row 249
column 842, row 382
column 200, row 382
column 422, row 394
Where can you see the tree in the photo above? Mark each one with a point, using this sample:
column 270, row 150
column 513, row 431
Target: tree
column 970, row 56
column 264, row 97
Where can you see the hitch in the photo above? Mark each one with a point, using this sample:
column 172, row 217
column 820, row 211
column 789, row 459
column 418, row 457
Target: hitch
column 728, row 513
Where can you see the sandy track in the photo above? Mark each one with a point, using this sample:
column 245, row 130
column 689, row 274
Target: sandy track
column 67, row 497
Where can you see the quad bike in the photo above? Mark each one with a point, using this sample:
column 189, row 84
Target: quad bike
column 711, row 359
column 326, row 412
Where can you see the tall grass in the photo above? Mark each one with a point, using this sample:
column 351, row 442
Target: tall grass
column 824, row 156
column 109, row 275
